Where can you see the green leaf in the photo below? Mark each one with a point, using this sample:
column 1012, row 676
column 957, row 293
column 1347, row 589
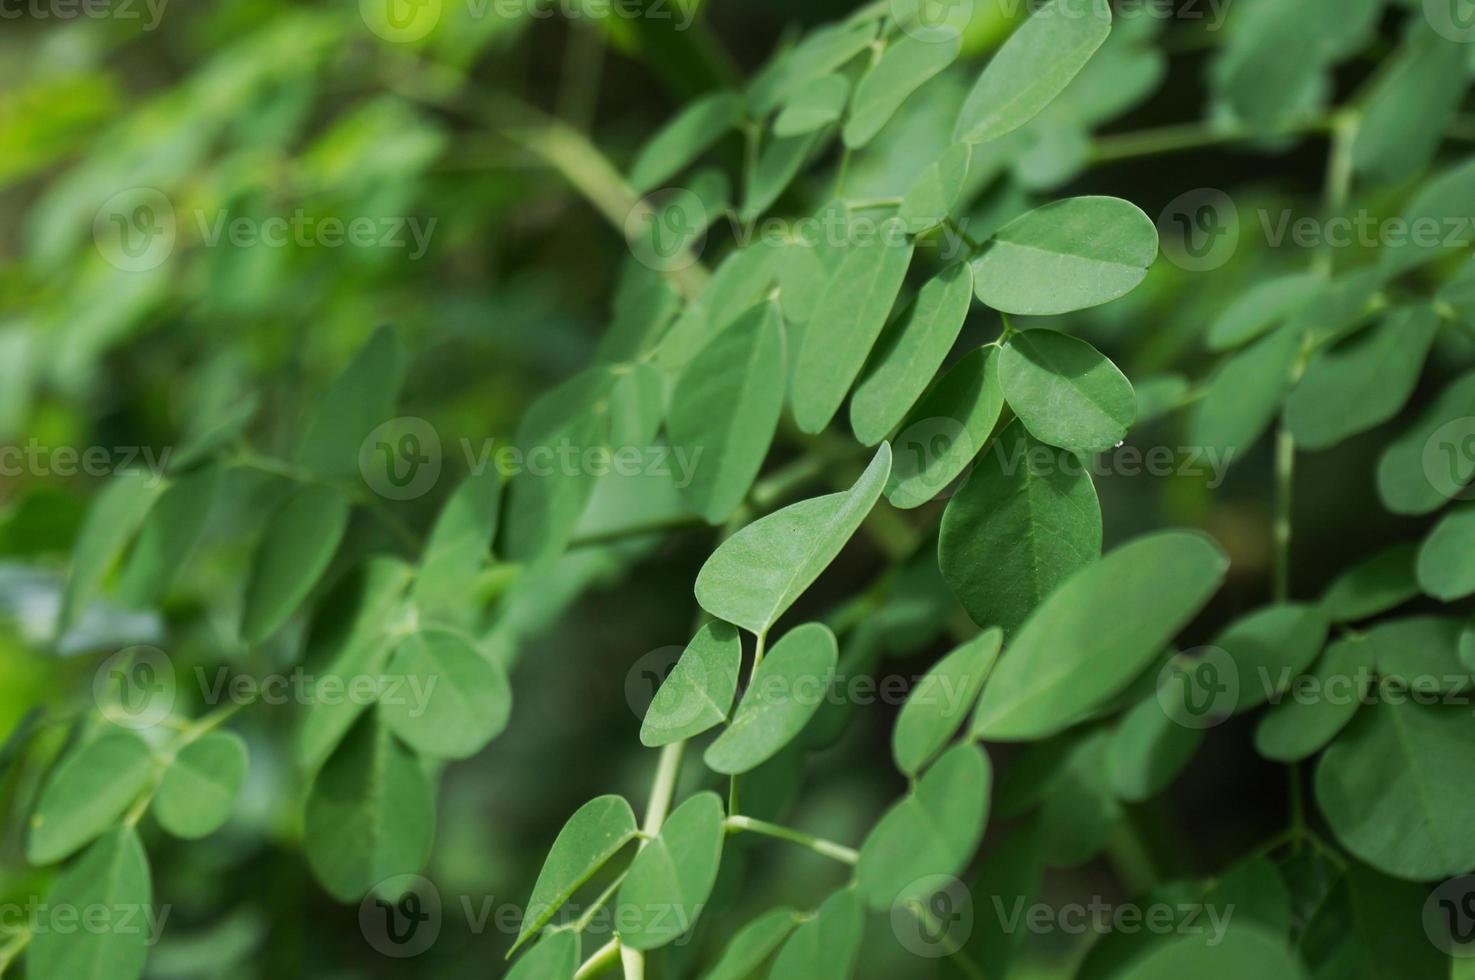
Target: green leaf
column 787, row 689
column 1340, row 306
column 1065, row 391
column 199, row 789
column 936, row 192
column 1441, row 203
column 1411, row 104
column 1033, row 67
column 1362, row 382
column 1264, row 305
column 816, row 105
column 1026, row 519
column 1446, row 563
column 118, row 511
column 87, row 791
column 1271, row 647
column 1159, row 395
column 556, row 957
column 1430, row 463
column 778, row 165
column 909, row 353
column 823, row 51
column 215, row 432
column 1148, row 749
column 754, row 943
column 672, row 876
column 1242, row 952
column 1395, row 789
column 360, row 400
column 1245, row 395
column 743, row 280
column 726, row 408
column 1299, row 726
column 848, row 318
column 685, row 138
column 755, row 575
column 370, row 813
column 294, row 551
column 112, row 875
column 1373, row 586
column 459, row 544
column 826, row 945
column 1068, row 255
column 170, row 532
column 941, row 700
column 446, row 698
column 361, row 653
column 930, row 832
column 698, row 692
column 946, row 430
column 904, row 66
column 594, row 834
column 1419, row 653
column 1096, row 632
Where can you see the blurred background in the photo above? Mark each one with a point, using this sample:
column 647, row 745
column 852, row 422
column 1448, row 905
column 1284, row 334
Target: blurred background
column 500, row 277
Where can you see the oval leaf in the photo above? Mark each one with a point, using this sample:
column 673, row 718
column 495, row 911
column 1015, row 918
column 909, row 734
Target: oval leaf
column 698, row 693
column 86, row 792
column 293, row 553
column 445, row 698
column 112, row 875
column 1066, row 392
column 672, row 876
column 200, row 787
column 941, row 700
column 593, row 835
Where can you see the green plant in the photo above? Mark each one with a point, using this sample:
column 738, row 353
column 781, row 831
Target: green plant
column 833, row 309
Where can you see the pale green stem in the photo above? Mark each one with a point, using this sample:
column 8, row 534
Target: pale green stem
column 829, row 849
column 663, row 788
column 600, row 960
column 634, row 962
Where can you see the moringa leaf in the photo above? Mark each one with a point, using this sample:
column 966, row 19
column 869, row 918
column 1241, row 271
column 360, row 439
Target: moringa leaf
column 817, row 104
column 594, row 834
column 1096, row 632
column 200, row 787
column 1431, row 461
column 908, row 62
column 779, row 163
column 89, row 789
column 910, row 351
column 946, row 430
column 293, row 553
column 1411, row 104
column 1394, row 788
column 671, row 877
column 1245, row 394
column 1446, row 562
column 170, row 532
column 1264, row 305
column 1244, row 951
column 358, row 401
column 1373, row 586
column 1147, row 750
column 825, row 945
column 1298, row 726
column 119, row 510
column 1032, row 68
column 787, row 688
column 686, row 137
column 1270, row 647
column 726, row 406
column 1026, row 519
column 113, row 876
column 370, row 813
column 1065, row 391
column 697, row 694
column 556, row 957
column 459, row 545
column 846, row 321
column 447, row 699
column 1441, row 203
column 940, row 701
column 935, row 193
column 755, row 575
column 754, row 943
column 1068, row 255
